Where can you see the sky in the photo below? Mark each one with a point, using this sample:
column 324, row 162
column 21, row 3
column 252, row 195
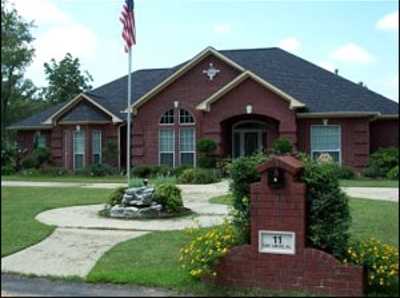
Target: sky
column 360, row 38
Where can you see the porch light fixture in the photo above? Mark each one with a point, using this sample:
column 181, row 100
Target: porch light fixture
column 78, row 128
column 249, row 109
column 325, row 121
column 176, row 104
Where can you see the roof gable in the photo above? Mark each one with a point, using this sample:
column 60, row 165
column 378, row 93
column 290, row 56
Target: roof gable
column 84, row 112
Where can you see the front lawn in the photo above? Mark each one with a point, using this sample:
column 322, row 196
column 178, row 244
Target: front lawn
column 367, row 182
column 67, row 178
column 20, row 205
column 378, row 219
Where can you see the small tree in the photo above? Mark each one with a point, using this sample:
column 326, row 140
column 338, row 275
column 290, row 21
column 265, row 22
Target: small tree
column 206, row 149
column 282, row 146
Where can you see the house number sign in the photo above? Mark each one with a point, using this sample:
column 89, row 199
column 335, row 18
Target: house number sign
column 276, row 242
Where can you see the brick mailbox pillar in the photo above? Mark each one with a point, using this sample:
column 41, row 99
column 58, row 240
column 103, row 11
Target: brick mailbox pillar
column 277, row 257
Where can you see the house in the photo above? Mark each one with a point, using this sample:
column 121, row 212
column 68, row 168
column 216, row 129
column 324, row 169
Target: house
column 242, row 99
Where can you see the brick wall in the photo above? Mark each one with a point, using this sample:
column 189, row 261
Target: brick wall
column 384, row 133
column 309, row 269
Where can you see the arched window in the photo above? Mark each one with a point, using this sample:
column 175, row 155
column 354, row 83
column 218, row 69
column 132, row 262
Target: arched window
column 185, row 117
column 168, row 117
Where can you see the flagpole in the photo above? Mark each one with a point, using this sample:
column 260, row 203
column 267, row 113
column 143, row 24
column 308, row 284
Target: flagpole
column 128, row 115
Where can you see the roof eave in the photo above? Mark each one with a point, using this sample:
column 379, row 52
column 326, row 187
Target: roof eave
column 337, row 115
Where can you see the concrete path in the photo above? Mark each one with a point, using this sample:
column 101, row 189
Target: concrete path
column 82, row 236
column 373, row 193
column 66, row 252
column 14, row 285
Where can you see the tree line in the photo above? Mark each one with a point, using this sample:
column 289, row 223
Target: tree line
column 20, row 98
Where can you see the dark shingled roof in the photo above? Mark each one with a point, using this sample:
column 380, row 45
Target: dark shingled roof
column 320, row 90
column 84, row 112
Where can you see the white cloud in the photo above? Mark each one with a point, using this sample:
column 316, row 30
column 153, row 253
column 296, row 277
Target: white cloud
column 393, row 86
column 41, row 12
column 352, row 52
column 327, row 65
column 290, row 44
column 389, row 22
column 222, row 28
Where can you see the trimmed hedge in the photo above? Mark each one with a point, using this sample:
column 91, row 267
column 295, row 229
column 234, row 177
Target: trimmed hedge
column 381, row 162
column 198, row 176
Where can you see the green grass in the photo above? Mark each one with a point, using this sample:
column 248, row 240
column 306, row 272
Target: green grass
column 366, row 182
column 67, row 178
column 20, row 205
column 370, row 218
column 151, row 260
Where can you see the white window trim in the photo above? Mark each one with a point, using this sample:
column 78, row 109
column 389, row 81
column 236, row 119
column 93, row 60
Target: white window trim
column 73, row 150
column 173, row 145
column 101, row 146
column 194, row 147
column 332, row 150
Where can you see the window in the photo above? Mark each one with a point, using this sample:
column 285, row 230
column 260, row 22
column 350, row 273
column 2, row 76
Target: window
column 167, row 147
column 185, row 117
column 39, row 140
column 187, row 146
column 168, row 117
column 96, row 146
column 79, row 149
column 325, row 139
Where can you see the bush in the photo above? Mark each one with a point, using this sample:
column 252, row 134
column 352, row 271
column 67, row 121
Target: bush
column 40, row 156
column 179, row 170
column 243, row 173
column 198, row 176
column 7, row 169
column 328, row 211
column 206, row 149
column 162, row 170
column 53, row 171
column 381, row 162
column 381, row 261
column 8, row 154
column 116, row 196
column 282, row 146
column 200, row 256
column 143, row 171
column 224, row 165
column 30, row 172
column 340, row 172
column 97, row 170
column 28, row 163
column 393, row 174
column 169, row 196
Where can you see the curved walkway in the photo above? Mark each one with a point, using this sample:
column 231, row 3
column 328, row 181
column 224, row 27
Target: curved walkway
column 82, row 236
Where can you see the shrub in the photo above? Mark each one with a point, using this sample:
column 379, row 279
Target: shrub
column 169, row 196
column 198, row 176
column 28, row 163
column 164, row 171
column 179, row 170
column 328, row 211
column 381, row 162
column 142, row 171
column 200, row 256
column 243, row 173
column 206, row 149
column 282, row 146
column 100, row 170
column 224, row 166
column 8, row 154
column 40, row 156
column 116, row 196
column 381, row 261
column 7, row 169
column 393, row 174
column 30, row 172
column 110, row 150
column 340, row 172
column 53, row 171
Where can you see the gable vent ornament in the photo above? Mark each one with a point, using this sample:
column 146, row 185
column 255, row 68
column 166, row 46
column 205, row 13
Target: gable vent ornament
column 211, row 72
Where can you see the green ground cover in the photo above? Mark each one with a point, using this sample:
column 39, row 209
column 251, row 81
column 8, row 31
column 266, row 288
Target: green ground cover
column 20, row 205
column 366, row 182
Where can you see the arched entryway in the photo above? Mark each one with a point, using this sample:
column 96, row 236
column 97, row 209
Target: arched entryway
column 245, row 135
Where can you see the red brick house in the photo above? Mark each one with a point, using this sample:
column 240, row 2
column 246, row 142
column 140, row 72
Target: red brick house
column 243, row 99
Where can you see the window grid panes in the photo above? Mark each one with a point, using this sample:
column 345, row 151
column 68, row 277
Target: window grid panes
column 185, row 117
column 187, row 146
column 167, row 148
column 96, row 146
column 40, row 141
column 168, row 117
column 79, row 149
column 325, row 139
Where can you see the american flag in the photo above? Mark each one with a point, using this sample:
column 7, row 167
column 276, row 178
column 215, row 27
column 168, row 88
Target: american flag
column 128, row 20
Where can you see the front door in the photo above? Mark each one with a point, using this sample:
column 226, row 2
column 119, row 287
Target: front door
column 252, row 143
